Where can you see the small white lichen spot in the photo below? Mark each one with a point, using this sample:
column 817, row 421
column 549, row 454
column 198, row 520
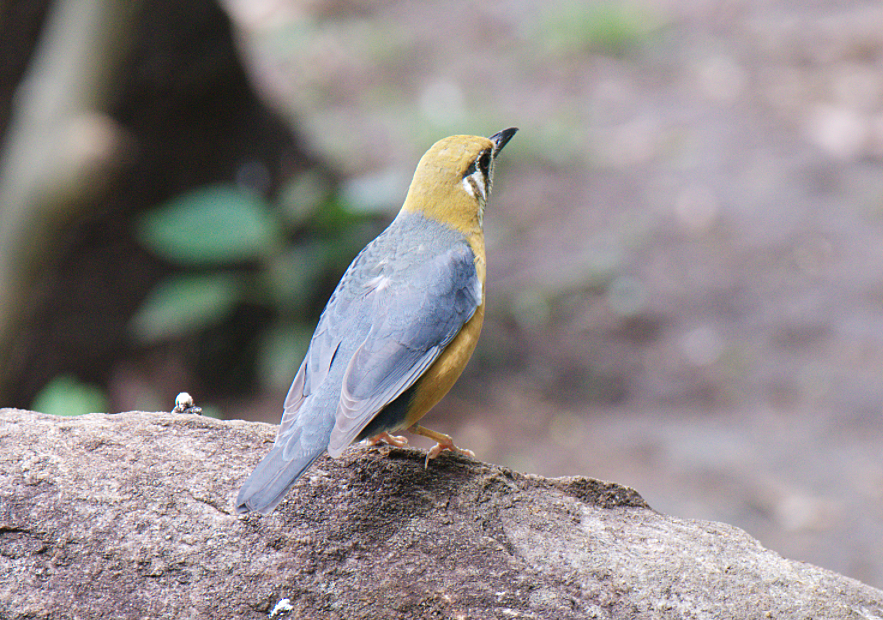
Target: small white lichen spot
column 281, row 607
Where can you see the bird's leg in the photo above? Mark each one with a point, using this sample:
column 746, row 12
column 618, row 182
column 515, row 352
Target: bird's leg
column 393, row 440
column 443, row 442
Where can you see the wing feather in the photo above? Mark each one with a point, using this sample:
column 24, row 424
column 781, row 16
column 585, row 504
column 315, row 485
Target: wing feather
column 415, row 320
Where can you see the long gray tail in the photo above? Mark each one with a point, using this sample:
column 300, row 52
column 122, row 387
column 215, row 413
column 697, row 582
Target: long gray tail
column 271, row 479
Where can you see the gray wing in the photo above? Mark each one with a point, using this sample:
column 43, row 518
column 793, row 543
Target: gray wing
column 389, row 332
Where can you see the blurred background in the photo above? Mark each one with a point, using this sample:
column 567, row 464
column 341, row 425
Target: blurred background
column 685, row 242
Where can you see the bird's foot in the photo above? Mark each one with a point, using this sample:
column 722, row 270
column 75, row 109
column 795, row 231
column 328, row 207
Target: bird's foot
column 392, row 440
column 443, row 442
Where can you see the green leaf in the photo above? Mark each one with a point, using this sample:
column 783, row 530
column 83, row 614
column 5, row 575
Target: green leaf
column 214, row 225
column 186, row 304
column 66, row 395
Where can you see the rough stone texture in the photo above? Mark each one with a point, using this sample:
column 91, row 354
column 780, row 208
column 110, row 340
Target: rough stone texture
column 130, row 516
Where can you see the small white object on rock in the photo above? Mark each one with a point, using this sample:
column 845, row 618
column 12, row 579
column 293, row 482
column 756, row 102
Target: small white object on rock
column 184, row 404
column 281, row 607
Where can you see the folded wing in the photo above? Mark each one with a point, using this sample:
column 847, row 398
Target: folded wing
column 401, row 323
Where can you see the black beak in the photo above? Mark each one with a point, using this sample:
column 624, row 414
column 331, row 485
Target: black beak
column 501, row 138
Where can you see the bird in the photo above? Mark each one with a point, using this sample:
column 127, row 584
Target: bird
column 399, row 328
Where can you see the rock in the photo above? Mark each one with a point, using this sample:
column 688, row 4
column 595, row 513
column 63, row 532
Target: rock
column 130, row 516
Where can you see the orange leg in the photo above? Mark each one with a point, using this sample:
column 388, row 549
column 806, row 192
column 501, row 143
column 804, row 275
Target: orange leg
column 443, row 442
column 393, row 440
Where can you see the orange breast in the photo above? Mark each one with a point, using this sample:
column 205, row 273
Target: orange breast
column 441, row 376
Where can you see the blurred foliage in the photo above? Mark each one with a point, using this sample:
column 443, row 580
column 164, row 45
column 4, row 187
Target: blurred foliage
column 236, row 248
column 215, row 225
column 604, row 27
column 67, row 396
column 186, row 303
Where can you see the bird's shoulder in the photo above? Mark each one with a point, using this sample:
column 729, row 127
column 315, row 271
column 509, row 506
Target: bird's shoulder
column 407, row 246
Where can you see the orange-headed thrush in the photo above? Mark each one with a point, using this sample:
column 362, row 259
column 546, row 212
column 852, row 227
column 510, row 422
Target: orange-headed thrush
column 399, row 328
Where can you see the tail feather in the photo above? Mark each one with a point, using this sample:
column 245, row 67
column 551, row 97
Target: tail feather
column 271, row 479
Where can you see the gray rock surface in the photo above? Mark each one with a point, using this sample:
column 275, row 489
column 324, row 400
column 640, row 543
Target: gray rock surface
column 130, row 516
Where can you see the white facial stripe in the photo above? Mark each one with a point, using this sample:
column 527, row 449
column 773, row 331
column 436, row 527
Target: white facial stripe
column 468, row 185
column 475, row 186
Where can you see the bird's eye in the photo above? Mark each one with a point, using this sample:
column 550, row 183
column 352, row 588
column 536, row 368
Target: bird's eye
column 484, row 162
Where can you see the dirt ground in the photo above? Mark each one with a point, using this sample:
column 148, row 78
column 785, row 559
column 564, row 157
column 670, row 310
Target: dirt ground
column 685, row 238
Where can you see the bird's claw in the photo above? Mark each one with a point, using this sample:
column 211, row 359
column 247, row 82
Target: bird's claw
column 443, row 442
column 393, row 440
column 441, row 447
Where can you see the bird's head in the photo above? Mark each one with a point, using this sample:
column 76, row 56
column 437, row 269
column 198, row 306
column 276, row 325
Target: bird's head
column 454, row 178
